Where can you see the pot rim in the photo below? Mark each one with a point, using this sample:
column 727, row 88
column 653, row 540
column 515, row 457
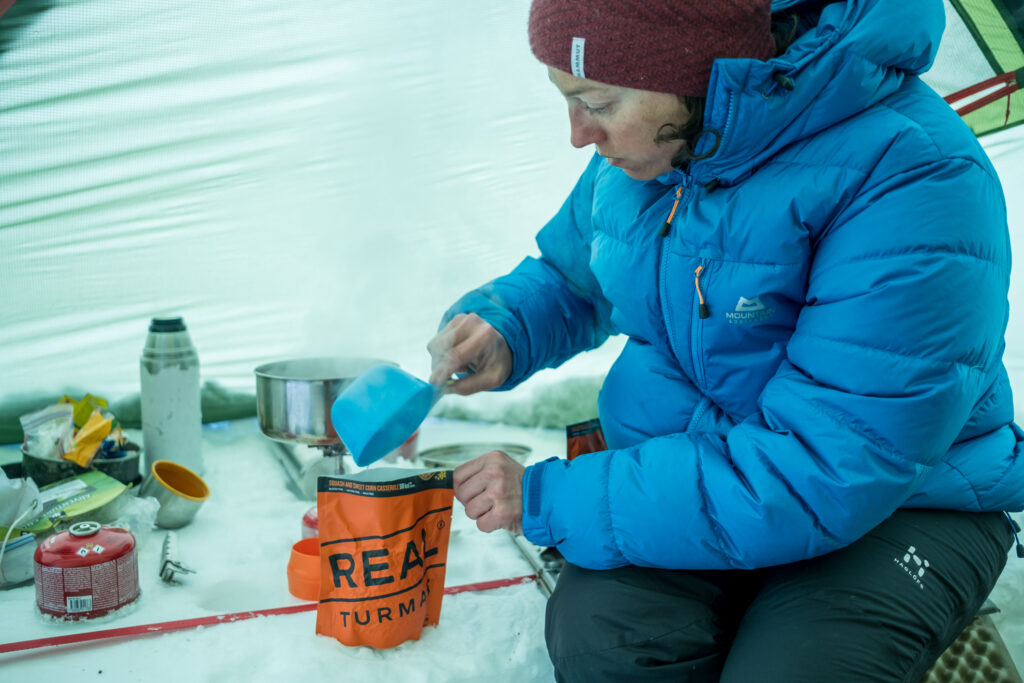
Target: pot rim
column 318, row 368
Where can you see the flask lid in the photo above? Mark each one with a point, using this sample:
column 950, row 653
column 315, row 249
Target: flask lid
column 167, row 325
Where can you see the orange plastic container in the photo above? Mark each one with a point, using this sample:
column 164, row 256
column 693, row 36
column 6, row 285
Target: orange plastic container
column 304, row 569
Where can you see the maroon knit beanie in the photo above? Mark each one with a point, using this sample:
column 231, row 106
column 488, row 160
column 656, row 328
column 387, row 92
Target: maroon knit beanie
column 660, row 45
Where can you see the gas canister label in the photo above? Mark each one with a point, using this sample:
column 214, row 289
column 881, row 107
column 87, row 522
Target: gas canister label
column 90, row 590
column 80, row 603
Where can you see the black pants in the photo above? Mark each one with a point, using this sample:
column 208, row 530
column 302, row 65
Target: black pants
column 881, row 609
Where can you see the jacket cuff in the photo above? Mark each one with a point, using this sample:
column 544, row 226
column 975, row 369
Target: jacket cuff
column 534, row 522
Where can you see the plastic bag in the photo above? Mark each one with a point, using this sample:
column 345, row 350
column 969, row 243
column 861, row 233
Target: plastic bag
column 383, row 547
column 137, row 514
column 19, row 499
column 49, row 432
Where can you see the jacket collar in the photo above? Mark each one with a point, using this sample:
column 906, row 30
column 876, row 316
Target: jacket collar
column 853, row 55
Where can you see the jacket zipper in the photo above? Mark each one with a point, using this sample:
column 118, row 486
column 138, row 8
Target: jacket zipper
column 698, row 413
column 697, row 325
column 727, row 128
column 667, row 225
column 663, row 269
column 702, row 308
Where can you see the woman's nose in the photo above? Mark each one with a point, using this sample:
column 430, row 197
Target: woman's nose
column 583, row 130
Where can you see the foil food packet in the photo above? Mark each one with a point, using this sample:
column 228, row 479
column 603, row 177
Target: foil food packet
column 383, row 549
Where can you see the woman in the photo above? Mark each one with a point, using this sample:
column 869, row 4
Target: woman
column 810, row 427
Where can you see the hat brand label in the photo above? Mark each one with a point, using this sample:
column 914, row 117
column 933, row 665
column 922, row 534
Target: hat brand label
column 576, row 57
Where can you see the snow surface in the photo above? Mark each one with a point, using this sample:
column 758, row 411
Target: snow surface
column 239, row 545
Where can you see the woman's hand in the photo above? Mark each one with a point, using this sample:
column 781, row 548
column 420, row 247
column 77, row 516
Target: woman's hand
column 469, row 345
column 491, row 489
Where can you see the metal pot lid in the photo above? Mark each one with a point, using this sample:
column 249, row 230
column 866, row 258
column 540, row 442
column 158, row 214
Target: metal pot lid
column 453, row 455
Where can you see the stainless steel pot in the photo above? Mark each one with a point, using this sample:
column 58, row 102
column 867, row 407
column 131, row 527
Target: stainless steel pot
column 294, row 397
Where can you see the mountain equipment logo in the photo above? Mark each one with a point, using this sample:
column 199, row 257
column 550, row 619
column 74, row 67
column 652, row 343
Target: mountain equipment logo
column 745, row 305
column 749, row 311
column 914, row 565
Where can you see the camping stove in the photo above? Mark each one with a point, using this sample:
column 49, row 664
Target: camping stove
column 304, row 464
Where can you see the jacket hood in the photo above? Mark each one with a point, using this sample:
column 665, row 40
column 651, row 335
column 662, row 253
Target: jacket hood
column 856, row 54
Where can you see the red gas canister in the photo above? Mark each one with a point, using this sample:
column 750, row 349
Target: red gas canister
column 86, row 571
column 310, row 523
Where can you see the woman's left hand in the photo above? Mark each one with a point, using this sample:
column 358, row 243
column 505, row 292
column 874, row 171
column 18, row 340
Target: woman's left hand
column 491, row 489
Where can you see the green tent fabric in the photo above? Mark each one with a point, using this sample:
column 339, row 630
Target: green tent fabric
column 995, row 100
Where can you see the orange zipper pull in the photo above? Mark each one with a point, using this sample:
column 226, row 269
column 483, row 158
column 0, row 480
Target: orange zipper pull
column 671, row 214
column 702, row 308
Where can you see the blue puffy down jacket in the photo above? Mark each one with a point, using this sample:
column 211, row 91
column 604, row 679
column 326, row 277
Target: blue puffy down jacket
column 849, row 240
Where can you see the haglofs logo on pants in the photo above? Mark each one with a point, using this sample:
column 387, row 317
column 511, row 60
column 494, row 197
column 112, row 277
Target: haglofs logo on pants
column 914, row 565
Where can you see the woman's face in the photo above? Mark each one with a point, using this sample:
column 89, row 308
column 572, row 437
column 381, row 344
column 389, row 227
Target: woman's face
column 622, row 123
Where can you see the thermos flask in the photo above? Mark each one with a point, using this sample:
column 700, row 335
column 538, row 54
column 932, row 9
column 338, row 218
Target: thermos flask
column 171, row 415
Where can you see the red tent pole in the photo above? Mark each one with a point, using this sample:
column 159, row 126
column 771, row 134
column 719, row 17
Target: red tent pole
column 1007, row 84
column 165, row 626
column 1005, row 91
column 1001, row 79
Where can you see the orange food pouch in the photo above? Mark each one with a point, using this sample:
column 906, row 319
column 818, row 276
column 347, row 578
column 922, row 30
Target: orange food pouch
column 383, row 548
column 584, row 437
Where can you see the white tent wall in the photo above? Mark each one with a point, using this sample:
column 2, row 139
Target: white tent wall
column 1006, row 149
column 314, row 180
column 295, row 180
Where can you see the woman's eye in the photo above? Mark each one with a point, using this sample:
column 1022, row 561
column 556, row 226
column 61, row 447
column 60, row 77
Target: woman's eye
column 594, row 109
